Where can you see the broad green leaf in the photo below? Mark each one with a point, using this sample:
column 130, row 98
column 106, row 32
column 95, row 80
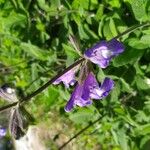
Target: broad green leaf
column 119, row 110
column 51, row 97
column 115, row 3
column 100, row 11
column 128, row 56
column 107, row 30
column 142, row 82
column 138, row 44
column 139, row 9
column 42, row 4
column 141, row 117
column 112, row 27
column 84, row 3
column 145, row 39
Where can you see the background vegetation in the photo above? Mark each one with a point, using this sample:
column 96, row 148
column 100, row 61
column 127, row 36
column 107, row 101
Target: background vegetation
column 35, row 46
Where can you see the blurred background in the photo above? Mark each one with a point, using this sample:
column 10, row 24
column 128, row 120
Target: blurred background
column 35, row 46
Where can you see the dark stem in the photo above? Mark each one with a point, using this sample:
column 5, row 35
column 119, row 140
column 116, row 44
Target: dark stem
column 80, row 132
column 131, row 29
column 42, row 88
column 8, row 106
column 39, row 90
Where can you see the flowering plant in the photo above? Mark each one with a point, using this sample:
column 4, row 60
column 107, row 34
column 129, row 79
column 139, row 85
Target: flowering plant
column 87, row 87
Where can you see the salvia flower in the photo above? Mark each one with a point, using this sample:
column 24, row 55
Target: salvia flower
column 87, row 90
column 68, row 78
column 103, row 52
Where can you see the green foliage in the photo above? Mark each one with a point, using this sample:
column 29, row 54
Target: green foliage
column 139, row 8
column 35, row 46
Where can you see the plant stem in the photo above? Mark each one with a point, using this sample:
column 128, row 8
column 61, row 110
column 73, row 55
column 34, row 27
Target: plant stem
column 80, row 132
column 131, row 29
column 43, row 87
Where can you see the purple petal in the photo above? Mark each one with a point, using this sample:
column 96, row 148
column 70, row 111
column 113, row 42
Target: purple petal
column 68, row 78
column 74, row 95
column 102, row 52
column 76, row 99
column 99, row 46
column 116, row 47
column 103, row 90
column 89, row 83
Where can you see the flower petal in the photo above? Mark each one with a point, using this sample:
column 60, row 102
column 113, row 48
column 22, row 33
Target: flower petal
column 89, row 83
column 68, row 78
column 71, row 102
column 99, row 46
column 116, row 47
column 103, row 90
column 102, row 52
column 81, row 94
column 107, row 86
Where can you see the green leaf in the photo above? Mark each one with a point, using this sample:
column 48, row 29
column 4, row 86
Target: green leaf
column 125, row 86
column 143, row 129
column 82, row 116
column 112, row 27
column 70, row 51
column 34, row 51
column 144, row 140
column 100, row 26
column 142, row 82
column 128, row 56
column 122, row 138
column 99, row 13
column 139, row 9
column 115, row 92
column 51, row 97
column 82, row 32
column 145, row 39
column 115, row 3
column 42, row 4
column 138, row 44
column 107, row 30
column 13, row 19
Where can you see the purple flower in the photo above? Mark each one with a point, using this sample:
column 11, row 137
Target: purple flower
column 2, row 132
column 68, row 78
column 88, row 90
column 103, row 52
